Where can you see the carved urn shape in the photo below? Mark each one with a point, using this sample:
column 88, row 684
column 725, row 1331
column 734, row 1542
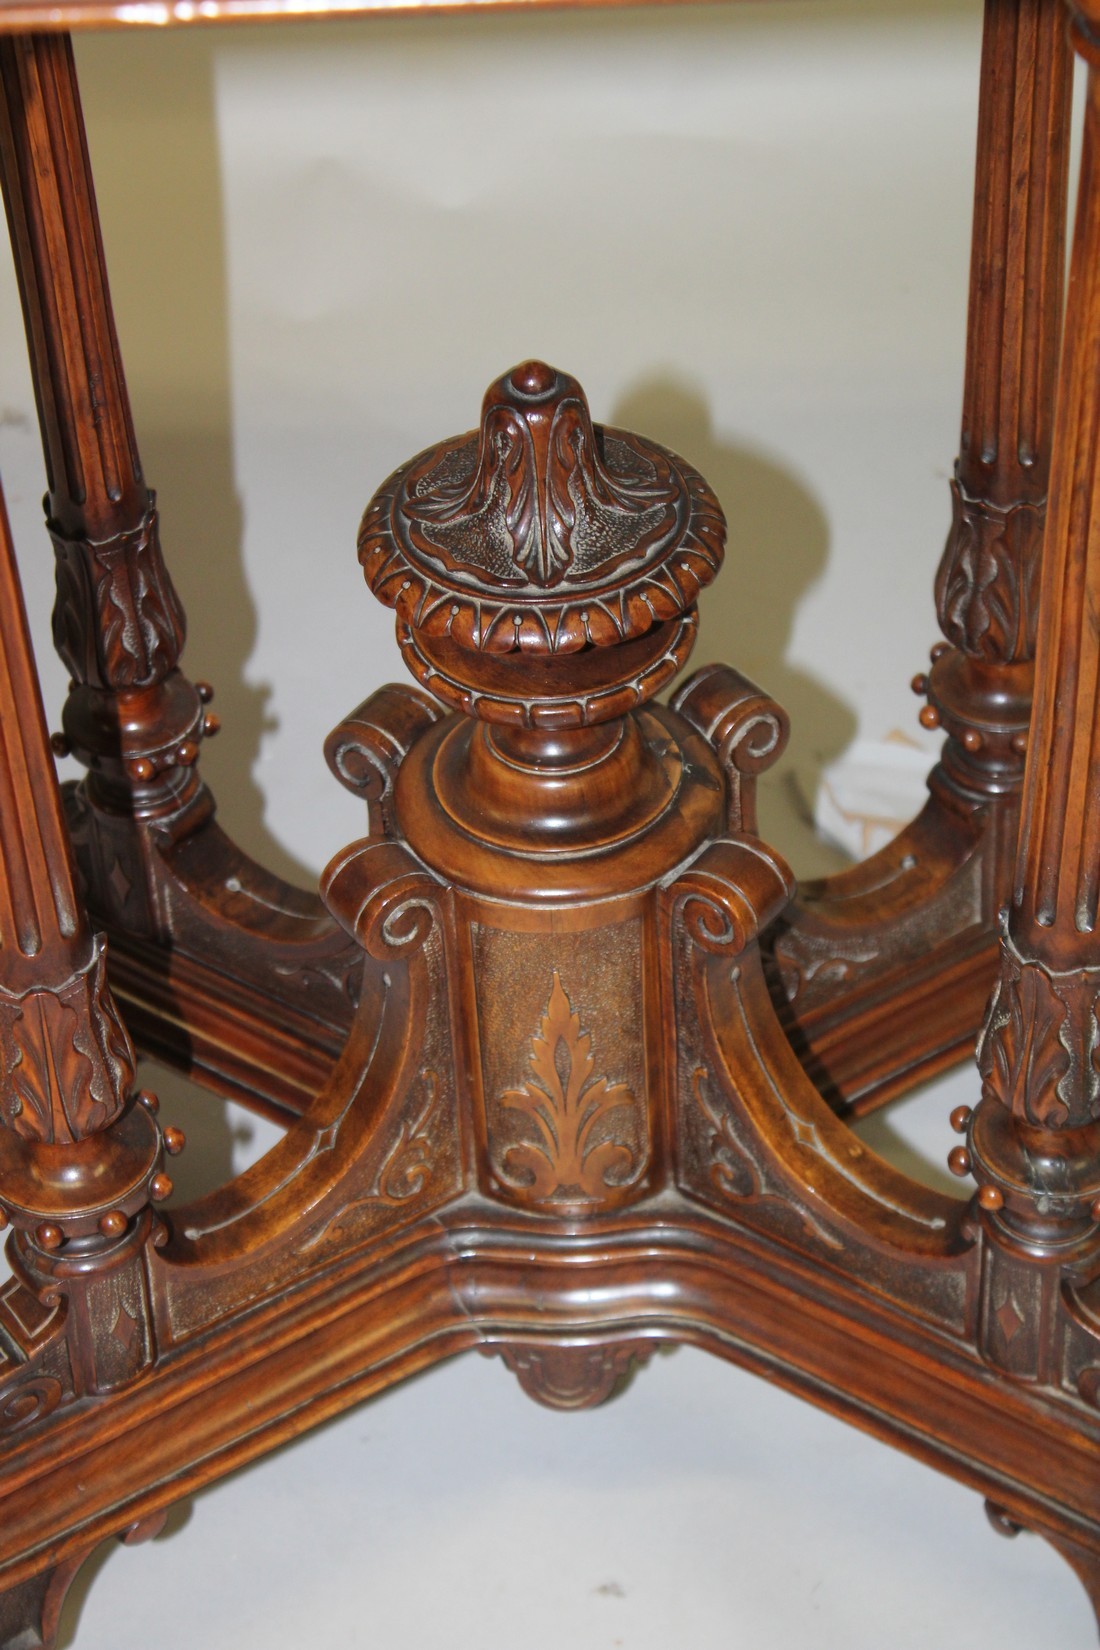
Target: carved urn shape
column 545, row 572
column 542, row 536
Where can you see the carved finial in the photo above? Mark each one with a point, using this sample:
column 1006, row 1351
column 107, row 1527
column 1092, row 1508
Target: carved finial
column 542, row 534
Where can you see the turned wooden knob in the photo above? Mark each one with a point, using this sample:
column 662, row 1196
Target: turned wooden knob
column 544, row 569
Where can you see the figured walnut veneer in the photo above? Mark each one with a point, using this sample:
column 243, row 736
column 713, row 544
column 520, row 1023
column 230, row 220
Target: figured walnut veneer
column 560, row 1044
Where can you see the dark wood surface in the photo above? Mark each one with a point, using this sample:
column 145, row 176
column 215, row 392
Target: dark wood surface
column 543, row 1094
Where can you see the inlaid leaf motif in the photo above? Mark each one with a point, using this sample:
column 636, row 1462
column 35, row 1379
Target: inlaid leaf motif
column 575, row 1151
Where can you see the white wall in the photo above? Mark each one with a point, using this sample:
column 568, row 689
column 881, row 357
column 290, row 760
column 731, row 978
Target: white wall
column 745, row 229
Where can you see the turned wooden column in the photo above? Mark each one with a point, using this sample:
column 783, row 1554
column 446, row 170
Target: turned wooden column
column 987, row 584
column 118, row 623
column 80, row 1156
column 1035, row 1137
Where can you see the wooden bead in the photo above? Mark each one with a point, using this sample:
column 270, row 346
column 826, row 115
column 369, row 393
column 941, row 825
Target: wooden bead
column 211, row 725
column 939, row 650
column 919, row 684
column 960, row 1119
column 148, row 1099
column 49, row 1236
column 187, row 753
column 1018, row 743
column 59, row 744
column 113, row 1223
column 958, row 1161
column 972, row 740
column 174, row 1140
column 3, row 1218
column 991, row 1197
column 160, row 1187
column 929, row 717
column 204, row 691
column 1095, row 1210
column 143, row 769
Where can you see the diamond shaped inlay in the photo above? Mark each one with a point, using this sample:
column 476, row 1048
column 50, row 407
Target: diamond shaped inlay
column 1009, row 1319
column 120, row 883
column 125, row 1328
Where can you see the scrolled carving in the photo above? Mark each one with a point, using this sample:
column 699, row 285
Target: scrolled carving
column 987, row 586
column 575, row 1150
column 382, row 896
column 541, row 531
column 803, row 957
column 366, row 749
column 1039, row 1050
column 744, row 726
column 27, row 1400
column 406, row 1169
column 66, row 1057
column 731, row 892
column 117, row 620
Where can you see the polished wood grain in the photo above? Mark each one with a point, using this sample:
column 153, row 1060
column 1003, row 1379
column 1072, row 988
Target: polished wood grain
column 185, row 907
column 561, row 1114
column 882, row 972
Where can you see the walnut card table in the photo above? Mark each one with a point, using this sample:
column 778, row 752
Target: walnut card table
column 567, row 1060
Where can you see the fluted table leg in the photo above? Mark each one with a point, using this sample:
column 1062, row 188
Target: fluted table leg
column 185, row 907
column 886, row 968
column 1034, row 1139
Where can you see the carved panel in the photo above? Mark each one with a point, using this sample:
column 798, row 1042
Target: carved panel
column 1017, row 1330
column 111, row 1326
column 66, row 1057
column 563, row 1061
column 117, row 620
column 987, row 587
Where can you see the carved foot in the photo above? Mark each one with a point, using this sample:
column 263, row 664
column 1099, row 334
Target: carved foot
column 573, row 1377
column 1083, row 1560
column 29, row 1613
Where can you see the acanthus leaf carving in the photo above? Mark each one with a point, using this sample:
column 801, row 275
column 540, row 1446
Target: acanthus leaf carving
column 570, row 1154
column 406, row 1169
column 541, row 532
column 1039, row 1048
column 987, row 593
column 117, row 620
column 67, row 1058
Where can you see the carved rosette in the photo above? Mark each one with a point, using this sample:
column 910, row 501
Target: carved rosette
column 117, row 620
column 987, row 586
column 67, row 1059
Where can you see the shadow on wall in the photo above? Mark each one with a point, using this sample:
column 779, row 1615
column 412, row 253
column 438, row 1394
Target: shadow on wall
column 778, row 546
column 158, row 145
